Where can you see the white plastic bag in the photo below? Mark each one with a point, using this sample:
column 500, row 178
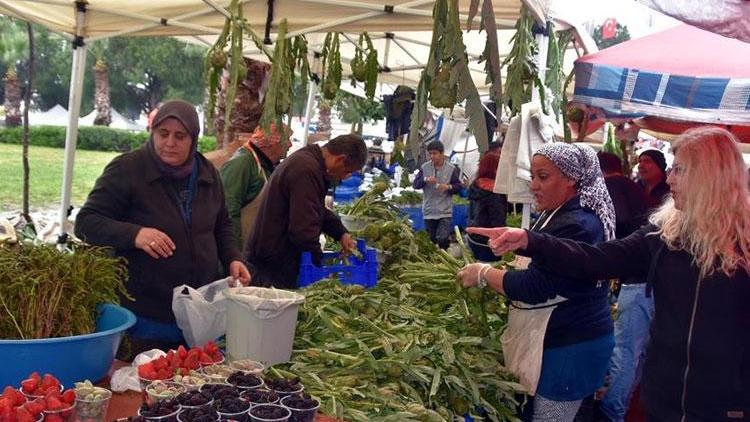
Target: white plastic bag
column 201, row 313
column 264, row 303
column 126, row 378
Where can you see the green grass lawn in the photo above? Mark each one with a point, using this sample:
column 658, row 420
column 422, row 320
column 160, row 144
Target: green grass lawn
column 46, row 175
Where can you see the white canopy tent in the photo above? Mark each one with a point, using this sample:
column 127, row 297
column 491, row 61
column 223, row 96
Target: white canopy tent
column 84, row 21
column 118, row 121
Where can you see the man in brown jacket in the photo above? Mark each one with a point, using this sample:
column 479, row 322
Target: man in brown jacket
column 293, row 213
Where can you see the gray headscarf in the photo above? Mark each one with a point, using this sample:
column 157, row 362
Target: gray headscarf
column 580, row 163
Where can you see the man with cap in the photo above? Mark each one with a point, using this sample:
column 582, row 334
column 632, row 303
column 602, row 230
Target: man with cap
column 162, row 209
column 247, row 172
column 652, row 172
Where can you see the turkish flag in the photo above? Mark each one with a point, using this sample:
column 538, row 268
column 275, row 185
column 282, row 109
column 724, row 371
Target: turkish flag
column 609, row 29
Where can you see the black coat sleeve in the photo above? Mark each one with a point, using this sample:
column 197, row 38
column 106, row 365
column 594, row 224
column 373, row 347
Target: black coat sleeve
column 628, row 257
column 224, row 231
column 99, row 222
column 332, row 224
column 305, row 209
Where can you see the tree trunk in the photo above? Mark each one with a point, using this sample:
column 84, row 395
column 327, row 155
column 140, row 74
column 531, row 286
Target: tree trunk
column 360, row 126
column 246, row 111
column 324, row 120
column 101, row 94
column 248, row 103
column 12, row 99
column 27, row 103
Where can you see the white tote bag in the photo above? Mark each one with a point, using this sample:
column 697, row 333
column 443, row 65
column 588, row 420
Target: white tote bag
column 523, row 338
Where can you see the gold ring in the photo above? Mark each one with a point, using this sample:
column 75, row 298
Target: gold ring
column 152, row 244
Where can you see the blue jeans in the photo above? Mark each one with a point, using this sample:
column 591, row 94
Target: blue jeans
column 635, row 312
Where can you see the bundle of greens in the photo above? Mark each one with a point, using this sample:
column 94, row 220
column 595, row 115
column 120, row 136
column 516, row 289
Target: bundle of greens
column 331, row 58
column 49, row 293
column 365, row 65
column 521, row 67
column 372, row 204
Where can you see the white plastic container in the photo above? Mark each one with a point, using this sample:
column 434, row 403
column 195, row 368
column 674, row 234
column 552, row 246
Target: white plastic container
column 261, row 324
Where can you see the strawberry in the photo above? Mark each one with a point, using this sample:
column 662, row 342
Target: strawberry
column 53, row 418
column 35, row 407
column 53, row 403
column 23, row 415
column 160, row 363
column 5, row 403
column 217, row 356
column 36, row 377
column 28, row 385
column 69, row 396
column 49, row 382
column 192, row 362
column 184, row 371
column 146, row 370
column 210, row 347
column 163, row 374
column 205, row 359
column 182, row 352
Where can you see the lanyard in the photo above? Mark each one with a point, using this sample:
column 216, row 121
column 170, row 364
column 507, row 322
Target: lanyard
column 185, row 201
column 257, row 162
column 546, row 220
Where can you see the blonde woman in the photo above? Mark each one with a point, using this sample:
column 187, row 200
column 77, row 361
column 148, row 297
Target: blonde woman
column 695, row 256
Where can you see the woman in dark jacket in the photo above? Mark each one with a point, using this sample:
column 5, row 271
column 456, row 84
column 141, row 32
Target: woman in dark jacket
column 570, row 193
column 695, row 256
column 162, row 208
column 486, row 208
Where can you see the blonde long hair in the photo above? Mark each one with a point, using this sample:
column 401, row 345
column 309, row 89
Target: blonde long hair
column 714, row 226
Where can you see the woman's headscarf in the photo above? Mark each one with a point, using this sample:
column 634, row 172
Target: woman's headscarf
column 185, row 113
column 579, row 163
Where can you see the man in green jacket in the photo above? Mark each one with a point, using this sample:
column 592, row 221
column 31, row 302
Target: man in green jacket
column 247, row 172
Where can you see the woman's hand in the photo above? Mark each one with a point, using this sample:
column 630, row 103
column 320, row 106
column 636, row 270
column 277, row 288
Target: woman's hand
column 154, row 242
column 469, row 275
column 502, row 239
column 238, row 271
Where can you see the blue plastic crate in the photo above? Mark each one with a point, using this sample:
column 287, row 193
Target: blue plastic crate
column 415, row 215
column 344, row 194
column 360, row 271
column 461, row 215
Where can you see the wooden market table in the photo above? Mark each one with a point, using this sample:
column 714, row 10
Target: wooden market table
column 123, row 405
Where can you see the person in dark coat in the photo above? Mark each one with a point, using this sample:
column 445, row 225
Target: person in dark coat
column 486, row 208
column 161, row 208
column 652, row 173
column 635, row 309
column 293, row 215
column 570, row 193
column 695, row 255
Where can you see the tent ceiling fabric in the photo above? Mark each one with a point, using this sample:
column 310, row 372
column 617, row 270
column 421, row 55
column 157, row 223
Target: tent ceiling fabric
column 197, row 17
column 730, row 18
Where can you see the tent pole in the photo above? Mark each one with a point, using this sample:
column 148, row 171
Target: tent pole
column 74, row 110
column 312, row 88
column 332, row 24
column 387, row 50
column 405, row 50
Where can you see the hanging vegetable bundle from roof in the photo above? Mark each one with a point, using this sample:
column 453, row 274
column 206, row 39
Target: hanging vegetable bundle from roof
column 364, row 65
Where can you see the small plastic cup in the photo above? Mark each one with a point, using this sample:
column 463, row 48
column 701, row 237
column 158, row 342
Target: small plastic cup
column 65, row 415
column 172, row 417
column 94, row 409
column 185, row 406
column 221, row 362
column 32, row 397
column 181, row 417
column 238, row 416
column 272, row 396
column 153, row 397
column 301, row 415
column 283, row 394
column 217, row 373
column 249, row 366
column 256, row 410
column 198, row 380
column 249, row 387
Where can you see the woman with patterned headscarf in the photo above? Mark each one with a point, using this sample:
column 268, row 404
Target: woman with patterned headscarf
column 695, row 256
column 247, row 172
column 560, row 334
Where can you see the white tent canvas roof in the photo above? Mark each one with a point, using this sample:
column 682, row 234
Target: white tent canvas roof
column 118, row 121
column 55, row 116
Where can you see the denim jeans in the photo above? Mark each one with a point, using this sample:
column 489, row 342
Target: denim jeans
column 439, row 231
column 635, row 312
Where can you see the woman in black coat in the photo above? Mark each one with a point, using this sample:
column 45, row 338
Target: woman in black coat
column 695, row 256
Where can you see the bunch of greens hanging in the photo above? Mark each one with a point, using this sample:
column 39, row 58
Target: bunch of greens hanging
column 331, row 59
column 554, row 78
column 446, row 80
column 490, row 56
column 364, row 65
column 287, row 55
column 231, row 38
column 521, row 67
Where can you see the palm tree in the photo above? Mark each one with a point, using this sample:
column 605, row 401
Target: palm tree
column 101, row 93
column 12, row 98
column 12, row 46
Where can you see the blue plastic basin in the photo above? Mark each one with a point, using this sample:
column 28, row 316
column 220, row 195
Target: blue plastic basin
column 70, row 359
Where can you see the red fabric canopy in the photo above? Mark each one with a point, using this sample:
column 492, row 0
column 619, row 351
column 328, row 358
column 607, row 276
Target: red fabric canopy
column 682, row 50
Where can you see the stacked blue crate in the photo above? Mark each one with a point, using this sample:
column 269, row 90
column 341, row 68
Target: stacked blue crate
column 360, row 271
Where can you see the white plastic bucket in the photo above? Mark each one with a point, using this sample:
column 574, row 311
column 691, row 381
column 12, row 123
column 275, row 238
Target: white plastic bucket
column 261, row 324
